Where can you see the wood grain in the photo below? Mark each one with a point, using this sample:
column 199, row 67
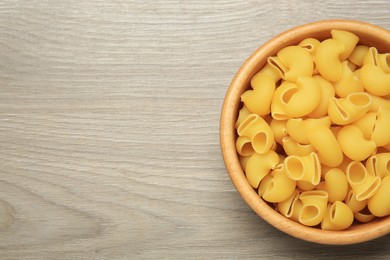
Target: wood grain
column 109, row 114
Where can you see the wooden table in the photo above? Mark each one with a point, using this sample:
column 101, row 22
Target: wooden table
column 109, row 115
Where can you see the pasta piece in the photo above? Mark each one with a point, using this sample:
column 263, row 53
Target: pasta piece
column 348, row 82
column 358, row 55
column 366, row 124
column 280, row 188
column 286, row 207
column 380, row 134
column 281, row 96
column 379, row 164
column 348, row 39
column 335, row 184
column 260, row 165
column 343, row 111
column 327, row 91
column 364, row 185
column 384, row 62
column 303, row 168
column 354, row 145
column 263, row 89
column 291, row 147
column 279, row 129
column 364, row 217
column 271, row 71
column 244, row 146
column 375, row 80
column 379, row 204
column 313, row 207
column 327, row 146
column 298, row 100
column 297, row 61
column 305, row 185
column 371, row 57
column 354, row 204
column 244, row 112
column 259, row 132
column 298, row 128
column 327, row 59
column 338, row 216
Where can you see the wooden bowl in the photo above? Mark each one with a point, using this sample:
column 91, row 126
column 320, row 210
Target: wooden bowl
column 370, row 35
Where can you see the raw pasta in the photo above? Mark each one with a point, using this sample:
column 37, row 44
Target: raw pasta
column 260, row 165
column 363, row 184
column 313, row 207
column 338, row 216
column 379, row 204
column 313, row 132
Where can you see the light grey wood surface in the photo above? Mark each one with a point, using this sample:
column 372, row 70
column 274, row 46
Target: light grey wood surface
column 109, row 115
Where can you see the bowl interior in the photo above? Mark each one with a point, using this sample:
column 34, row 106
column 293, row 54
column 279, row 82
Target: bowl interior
column 370, row 35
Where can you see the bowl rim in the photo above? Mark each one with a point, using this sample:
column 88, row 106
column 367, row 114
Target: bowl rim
column 231, row 103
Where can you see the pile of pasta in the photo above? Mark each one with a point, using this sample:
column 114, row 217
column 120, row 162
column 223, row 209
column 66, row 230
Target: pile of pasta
column 314, row 132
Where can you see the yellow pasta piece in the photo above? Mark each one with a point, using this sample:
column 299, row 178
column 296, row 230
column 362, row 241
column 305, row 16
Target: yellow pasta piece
column 244, row 146
column 348, row 82
column 286, row 207
column 303, row 168
column 258, row 100
column 327, row 91
column 343, row 111
column 354, row 145
column 375, row 80
column 298, row 128
column 281, row 96
column 384, row 62
column 335, row 184
column 348, row 39
column 306, row 98
column 305, row 185
column 379, row 164
column 379, row 204
column 297, row 61
column 327, row 59
column 327, row 146
column 371, row 57
column 279, row 129
column 366, row 124
column 260, row 165
column 280, row 188
column 364, row 217
column 338, row 216
column 354, row 204
column 313, row 207
column 244, row 112
column 380, row 134
column 364, row 185
column 259, row 132
column 358, row 55
column 291, row 147
column 271, row 71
